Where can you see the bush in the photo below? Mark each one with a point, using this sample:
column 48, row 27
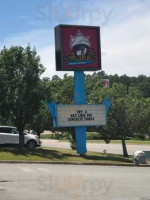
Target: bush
column 94, row 136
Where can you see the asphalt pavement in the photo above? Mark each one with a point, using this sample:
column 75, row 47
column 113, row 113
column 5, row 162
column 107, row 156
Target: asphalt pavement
column 63, row 182
column 110, row 148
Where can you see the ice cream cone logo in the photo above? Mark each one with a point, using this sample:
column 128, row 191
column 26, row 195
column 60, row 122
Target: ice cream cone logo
column 81, row 50
column 79, row 43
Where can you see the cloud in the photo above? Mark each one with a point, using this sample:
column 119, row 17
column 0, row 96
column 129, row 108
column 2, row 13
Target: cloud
column 24, row 16
column 37, row 38
column 127, row 47
column 125, row 43
column 47, row 55
column 43, row 40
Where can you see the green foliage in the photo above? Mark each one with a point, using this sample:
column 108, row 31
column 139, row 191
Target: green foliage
column 139, row 110
column 20, row 85
column 23, row 96
column 41, row 121
column 126, row 117
column 94, row 136
column 62, row 89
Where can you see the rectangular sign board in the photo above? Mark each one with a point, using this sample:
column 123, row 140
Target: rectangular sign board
column 81, row 115
column 77, row 48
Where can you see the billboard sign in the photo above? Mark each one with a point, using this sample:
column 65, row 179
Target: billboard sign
column 81, row 115
column 77, row 48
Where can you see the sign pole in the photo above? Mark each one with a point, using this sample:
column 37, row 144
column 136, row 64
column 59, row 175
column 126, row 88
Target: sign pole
column 80, row 99
column 78, row 49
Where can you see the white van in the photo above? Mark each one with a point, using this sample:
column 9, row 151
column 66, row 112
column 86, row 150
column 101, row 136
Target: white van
column 10, row 135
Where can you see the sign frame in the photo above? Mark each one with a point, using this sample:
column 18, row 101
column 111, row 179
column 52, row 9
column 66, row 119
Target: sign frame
column 83, row 125
column 59, row 49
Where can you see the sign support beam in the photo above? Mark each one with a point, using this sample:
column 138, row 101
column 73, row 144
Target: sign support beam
column 80, row 99
column 78, row 49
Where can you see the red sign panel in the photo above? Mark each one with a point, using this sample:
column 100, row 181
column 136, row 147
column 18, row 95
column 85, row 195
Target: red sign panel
column 105, row 83
column 77, row 48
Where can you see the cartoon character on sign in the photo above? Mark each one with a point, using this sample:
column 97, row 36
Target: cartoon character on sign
column 82, row 51
column 79, row 43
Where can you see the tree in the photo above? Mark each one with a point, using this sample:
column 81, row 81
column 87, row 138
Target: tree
column 139, row 113
column 42, row 120
column 62, row 89
column 20, row 86
column 118, row 124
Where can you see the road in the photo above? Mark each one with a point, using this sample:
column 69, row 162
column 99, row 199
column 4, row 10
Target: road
column 110, row 148
column 71, row 182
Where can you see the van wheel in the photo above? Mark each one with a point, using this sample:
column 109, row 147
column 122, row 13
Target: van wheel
column 31, row 144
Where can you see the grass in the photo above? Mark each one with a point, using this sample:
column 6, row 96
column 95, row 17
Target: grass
column 48, row 136
column 61, row 155
column 119, row 141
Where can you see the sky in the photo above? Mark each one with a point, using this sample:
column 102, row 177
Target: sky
column 125, row 30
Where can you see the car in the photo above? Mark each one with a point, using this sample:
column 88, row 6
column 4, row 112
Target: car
column 10, row 135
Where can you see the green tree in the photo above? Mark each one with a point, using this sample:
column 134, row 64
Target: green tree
column 129, row 115
column 118, row 124
column 42, row 120
column 139, row 113
column 62, row 89
column 20, row 86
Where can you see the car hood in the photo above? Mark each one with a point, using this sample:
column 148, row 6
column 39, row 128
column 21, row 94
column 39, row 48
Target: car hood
column 31, row 135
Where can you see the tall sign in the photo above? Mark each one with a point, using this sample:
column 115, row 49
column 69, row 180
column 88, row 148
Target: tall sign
column 78, row 49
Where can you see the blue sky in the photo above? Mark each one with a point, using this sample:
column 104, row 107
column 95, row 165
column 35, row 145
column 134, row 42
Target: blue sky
column 125, row 30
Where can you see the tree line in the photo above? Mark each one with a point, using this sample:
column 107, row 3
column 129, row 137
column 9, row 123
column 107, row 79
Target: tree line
column 24, row 95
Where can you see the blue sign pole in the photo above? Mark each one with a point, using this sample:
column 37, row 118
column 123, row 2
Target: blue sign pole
column 80, row 99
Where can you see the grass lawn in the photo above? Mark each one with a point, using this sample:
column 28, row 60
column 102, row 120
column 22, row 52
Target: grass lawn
column 61, row 155
column 119, row 141
column 48, row 136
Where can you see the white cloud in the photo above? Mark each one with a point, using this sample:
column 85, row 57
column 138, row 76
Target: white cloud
column 47, row 55
column 43, row 40
column 37, row 38
column 126, row 46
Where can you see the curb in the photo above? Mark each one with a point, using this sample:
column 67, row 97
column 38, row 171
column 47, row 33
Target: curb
column 69, row 163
